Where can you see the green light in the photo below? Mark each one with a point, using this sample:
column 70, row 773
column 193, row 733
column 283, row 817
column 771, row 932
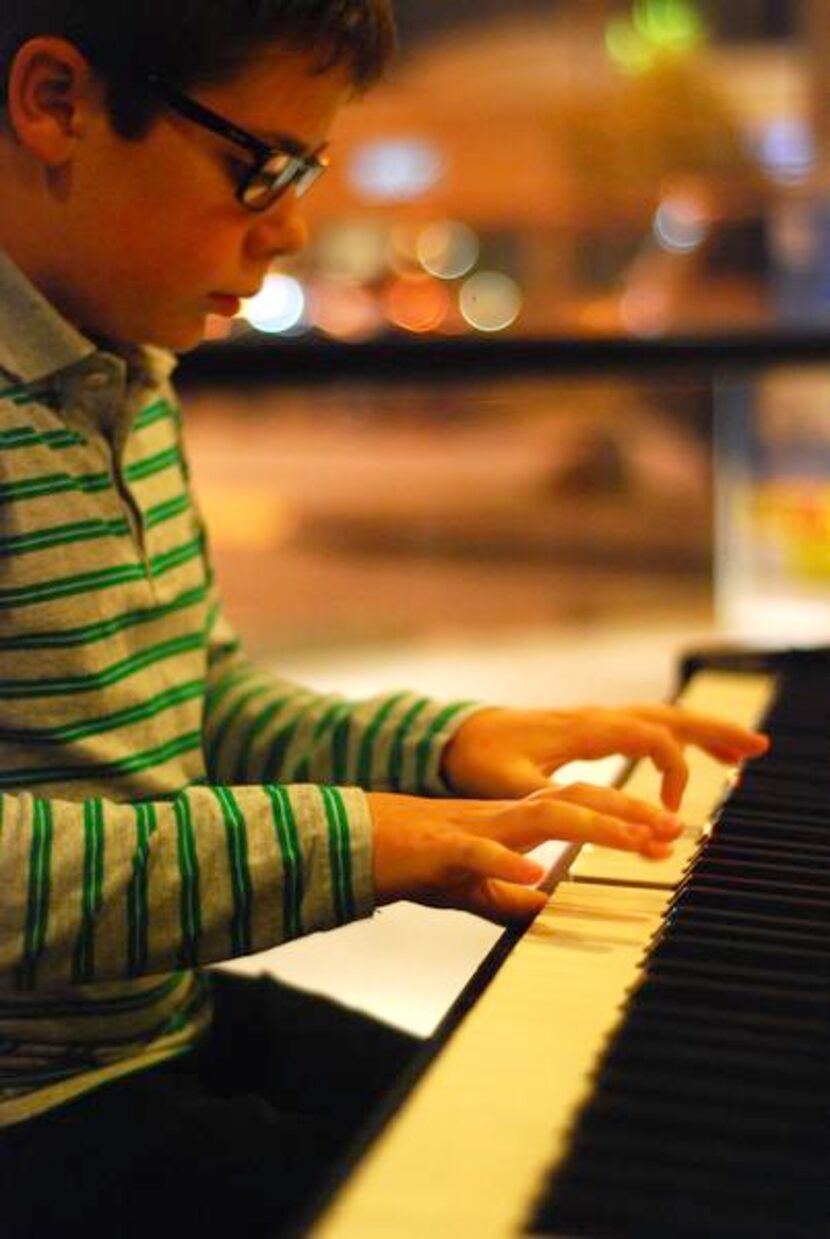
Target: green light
column 627, row 47
column 671, row 24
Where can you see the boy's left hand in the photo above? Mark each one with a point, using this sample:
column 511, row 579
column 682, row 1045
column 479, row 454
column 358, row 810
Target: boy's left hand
column 511, row 753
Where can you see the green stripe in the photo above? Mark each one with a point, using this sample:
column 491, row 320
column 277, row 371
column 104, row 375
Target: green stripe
column 150, row 465
column 302, row 771
column 285, row 826
column 37, row 909
column 29, row 436
column 340, row 749
column 11, row 392
column 364, row 762
column 138, row 914
column 123, row 1005
column 189, row 904
column 136, row 763
column 396, row 750
column 83, row 965
column 104, row 578
column 114, row 674
column 215, row 743
column 217, row 693
column 425, row 745
column 54, row 484
column 60, row 535
column 339, row 855
column 237, row 837
column 156, row 412
column 162, row 512
column 191, row 691
column 162, row 563
column 280, row 744
column 243, row 761
column 102, row 631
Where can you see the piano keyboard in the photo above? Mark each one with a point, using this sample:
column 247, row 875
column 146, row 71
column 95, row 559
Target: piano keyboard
column 706, row 1113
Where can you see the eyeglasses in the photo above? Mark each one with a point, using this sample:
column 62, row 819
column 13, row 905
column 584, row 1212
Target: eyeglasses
column 276, row 168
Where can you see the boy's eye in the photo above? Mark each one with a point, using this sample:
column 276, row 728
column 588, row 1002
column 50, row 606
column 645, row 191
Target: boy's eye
column 236, row 169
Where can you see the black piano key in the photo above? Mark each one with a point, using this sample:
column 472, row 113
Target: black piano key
column 684, row 910
column 710, row 1108
column 784, row 824
column 778, row 875
column 730, row 846
column 746, row 898
column 695, row 1028
column 770, row 1004
column 705, row 948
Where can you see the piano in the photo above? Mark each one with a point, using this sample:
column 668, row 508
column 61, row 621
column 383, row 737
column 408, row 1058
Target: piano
column 650, row 1057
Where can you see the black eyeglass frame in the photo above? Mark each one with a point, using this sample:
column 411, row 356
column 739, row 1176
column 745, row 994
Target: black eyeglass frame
column 300, row 171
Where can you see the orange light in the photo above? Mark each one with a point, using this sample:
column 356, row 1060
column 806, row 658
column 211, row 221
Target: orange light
column 345, row 310
column 416, row 303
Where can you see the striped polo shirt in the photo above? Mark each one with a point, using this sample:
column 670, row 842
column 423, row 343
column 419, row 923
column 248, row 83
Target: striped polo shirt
column 164, row 803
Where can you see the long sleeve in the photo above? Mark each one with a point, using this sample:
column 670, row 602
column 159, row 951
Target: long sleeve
column 260, row 727
column 96, row 890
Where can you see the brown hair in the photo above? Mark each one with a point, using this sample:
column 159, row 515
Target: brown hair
column 197, row 42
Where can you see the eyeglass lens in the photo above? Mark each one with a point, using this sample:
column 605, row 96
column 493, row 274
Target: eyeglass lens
column 280, row 174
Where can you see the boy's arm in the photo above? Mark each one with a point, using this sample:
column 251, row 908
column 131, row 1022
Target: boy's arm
column 259, row 727
column 98, row 890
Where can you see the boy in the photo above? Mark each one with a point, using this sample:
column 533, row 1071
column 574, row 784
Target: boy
column 165, row 805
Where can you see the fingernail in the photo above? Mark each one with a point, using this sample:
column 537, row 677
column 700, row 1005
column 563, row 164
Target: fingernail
column 670, row 821
column 532, row 871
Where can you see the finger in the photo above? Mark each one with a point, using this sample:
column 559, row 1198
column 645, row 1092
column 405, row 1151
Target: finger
column 473, row 856
column 506, row 903
column 637, row 737
column 615, row 803
column 725, row 740
column 540, row 819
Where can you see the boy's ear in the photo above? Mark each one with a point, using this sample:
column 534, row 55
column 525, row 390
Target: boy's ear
column 50, row 91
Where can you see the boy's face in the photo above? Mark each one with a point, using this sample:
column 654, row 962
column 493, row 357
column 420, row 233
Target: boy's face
column 151, row 232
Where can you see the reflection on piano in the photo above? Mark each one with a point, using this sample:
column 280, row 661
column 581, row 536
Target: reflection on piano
column 651, row 1059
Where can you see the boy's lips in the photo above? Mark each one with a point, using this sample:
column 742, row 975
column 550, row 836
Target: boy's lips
column 225, row 303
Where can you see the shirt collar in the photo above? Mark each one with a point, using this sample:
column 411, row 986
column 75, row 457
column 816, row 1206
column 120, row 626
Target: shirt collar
column 37, row 342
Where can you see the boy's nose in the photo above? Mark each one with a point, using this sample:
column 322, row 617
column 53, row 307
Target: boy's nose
column 279, row 231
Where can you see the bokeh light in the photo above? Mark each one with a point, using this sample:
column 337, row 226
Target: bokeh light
column 655, row 26
column 787, row 150
column 419, row 304
column 447, row 249
column 345, row 310
column 680, row 224
column 353, row 250
column 490, row 301
column 396, row 170
column 279, row 307
column 674, row 24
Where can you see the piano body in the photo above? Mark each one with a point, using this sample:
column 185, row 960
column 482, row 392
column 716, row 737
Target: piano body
column 650, row 1058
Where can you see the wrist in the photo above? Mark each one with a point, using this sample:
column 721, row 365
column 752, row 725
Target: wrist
column 465, row 745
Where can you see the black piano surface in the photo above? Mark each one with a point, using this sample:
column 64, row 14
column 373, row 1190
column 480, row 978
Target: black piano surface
column 710, row 1111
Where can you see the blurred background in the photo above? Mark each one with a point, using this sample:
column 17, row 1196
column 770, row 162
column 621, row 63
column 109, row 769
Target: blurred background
column 544, row 401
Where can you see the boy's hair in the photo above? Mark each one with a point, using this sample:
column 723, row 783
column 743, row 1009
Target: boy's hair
column 197, row 42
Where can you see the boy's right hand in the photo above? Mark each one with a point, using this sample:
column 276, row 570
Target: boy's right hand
column 468, row 854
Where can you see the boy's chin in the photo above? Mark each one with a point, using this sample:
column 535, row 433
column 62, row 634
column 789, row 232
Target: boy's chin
column 178, row 338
